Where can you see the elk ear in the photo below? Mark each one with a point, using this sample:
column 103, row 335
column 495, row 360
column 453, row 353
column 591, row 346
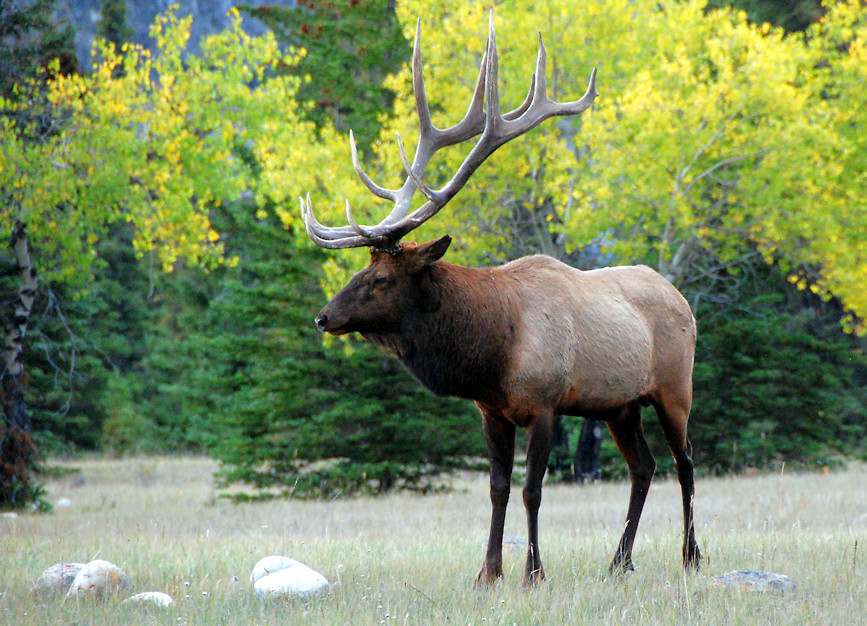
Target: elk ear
column 430, row 252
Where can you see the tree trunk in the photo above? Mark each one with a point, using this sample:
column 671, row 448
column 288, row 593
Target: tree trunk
column 17, row 451
column 586, row 466
column 559, row 465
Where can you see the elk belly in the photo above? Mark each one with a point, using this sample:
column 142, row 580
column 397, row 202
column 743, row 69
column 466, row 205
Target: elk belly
column 595, row 361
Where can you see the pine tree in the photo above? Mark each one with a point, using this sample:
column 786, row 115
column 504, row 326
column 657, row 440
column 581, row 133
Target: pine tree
column 351, row 47
column 254, row 385
column 114, row 24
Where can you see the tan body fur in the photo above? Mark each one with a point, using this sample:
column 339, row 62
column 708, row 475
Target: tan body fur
column 593, row 341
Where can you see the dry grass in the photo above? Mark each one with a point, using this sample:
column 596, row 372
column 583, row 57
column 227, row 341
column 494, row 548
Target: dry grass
column 410, row 559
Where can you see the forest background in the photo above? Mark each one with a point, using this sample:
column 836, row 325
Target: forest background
column 170, row 303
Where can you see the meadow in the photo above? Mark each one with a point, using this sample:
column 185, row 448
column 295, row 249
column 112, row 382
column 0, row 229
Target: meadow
column 408, row 559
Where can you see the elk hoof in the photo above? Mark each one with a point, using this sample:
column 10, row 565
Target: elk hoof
column 692, row 560
column 488, row 577
column 620, row 566
column 533, row 579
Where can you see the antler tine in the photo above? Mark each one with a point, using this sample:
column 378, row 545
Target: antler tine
column 427, row 191
column 492, row 92
column 382, row 192
column 421, row 105
column 361, row 231
column 324, row 237
column 516, row 113
column 316, row 230
column 540, row 89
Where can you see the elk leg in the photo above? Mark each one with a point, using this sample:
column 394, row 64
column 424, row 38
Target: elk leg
column 500, row 437
column 539, row 436
column 628, row 434
column 673, row 419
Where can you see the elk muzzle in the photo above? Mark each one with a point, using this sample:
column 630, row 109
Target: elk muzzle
column 334, row 322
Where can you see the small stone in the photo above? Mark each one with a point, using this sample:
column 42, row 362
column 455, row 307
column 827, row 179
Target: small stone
column 99, row 579
column 154, row 597
column 755, row 581
column 57, row 578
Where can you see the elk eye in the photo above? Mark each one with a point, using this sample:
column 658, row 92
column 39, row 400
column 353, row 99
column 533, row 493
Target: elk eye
column 380, row 282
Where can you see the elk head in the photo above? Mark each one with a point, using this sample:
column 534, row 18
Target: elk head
column 482, row 118
column 376, row 299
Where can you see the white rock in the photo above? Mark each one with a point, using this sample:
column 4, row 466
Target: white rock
column 63, row 502
column 57, row 578
column 749, row 580
column 9, row 515
column 271, row 564
column 295, row 579
column 99, row 579
column 156, row 597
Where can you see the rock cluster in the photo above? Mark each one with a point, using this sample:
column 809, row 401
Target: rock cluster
column 273, row 576
column 97, row 580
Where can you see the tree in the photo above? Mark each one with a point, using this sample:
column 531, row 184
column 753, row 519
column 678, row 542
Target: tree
column 350, row 47
column 154, row 146
column 29, row 40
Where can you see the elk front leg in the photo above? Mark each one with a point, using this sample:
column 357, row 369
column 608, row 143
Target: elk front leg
column 500, row 437
column 539, row 436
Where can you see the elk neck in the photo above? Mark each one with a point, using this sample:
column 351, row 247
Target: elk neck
column 456, row 338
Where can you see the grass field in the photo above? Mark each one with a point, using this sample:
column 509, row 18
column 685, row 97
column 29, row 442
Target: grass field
column 410, row 559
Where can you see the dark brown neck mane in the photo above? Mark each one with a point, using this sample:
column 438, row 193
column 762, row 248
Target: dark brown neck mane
column 454, row 346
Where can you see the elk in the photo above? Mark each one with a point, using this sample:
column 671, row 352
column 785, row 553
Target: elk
column 527, row 340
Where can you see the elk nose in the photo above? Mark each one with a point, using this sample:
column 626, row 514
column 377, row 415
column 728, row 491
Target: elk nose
column 321, row 321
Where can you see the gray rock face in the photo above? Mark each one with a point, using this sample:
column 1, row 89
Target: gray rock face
column 209, row 16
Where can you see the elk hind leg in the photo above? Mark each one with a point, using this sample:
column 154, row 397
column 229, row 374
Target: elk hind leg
column 539, row 436
column 500, row 438
column 628, row 433
column 673, row 416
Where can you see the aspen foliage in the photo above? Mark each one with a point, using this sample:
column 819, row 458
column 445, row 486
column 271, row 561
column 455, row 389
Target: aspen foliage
column 712, row 137
column 157, row 141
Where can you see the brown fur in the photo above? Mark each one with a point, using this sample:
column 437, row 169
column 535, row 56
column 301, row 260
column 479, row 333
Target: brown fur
column 530, row 340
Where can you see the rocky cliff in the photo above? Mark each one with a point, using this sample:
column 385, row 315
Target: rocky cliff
column 209, row 16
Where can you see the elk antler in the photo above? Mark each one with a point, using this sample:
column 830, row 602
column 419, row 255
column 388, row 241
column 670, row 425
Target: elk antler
column 483, row 116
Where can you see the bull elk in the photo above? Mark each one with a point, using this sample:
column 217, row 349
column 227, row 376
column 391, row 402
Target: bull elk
column 528, row 340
